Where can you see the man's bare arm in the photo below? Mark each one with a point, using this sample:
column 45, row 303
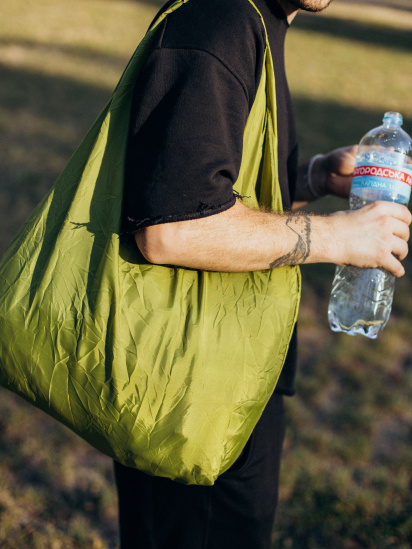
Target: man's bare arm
column 301, row 225
column 240, row 239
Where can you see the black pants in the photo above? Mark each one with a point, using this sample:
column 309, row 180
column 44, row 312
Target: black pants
column 237, row 512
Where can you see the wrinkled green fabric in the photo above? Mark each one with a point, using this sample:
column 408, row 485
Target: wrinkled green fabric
column 165, row 369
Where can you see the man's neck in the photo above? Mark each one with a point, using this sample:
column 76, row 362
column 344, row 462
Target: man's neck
column 289, row 9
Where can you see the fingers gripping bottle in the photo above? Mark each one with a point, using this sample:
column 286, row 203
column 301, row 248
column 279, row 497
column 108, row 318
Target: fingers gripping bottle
column 361, row 299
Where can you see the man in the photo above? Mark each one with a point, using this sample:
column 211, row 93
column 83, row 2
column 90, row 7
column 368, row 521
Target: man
column 192, row 102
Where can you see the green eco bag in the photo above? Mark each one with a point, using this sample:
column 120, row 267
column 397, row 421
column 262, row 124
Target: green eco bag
column 165, row 369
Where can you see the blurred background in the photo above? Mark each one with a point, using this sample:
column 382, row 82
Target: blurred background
column 347, row 474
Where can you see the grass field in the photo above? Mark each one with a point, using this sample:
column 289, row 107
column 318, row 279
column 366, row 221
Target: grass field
column 347, row 478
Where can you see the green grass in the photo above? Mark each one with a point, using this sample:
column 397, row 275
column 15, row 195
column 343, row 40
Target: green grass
column 346, row 471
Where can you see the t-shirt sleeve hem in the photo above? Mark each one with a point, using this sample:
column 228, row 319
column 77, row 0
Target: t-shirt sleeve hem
column 204, row 210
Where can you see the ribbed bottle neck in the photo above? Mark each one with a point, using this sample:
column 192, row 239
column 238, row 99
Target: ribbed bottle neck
column 392, row 120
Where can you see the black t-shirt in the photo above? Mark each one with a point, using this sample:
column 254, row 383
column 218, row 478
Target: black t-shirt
column 190, row 106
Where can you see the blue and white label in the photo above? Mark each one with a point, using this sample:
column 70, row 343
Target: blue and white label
column 386, row 172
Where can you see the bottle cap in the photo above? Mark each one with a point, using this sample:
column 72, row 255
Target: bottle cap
column 395, row 117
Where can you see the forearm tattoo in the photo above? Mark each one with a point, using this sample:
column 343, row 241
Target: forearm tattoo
column 300, row 224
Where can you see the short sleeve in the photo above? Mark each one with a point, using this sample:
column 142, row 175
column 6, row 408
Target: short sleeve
column 186, row 138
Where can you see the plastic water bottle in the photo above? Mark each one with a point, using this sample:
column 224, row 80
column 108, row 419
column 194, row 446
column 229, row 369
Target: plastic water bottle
column 361, row 299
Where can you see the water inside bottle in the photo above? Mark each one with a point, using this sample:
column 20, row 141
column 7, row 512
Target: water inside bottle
column 360, row 301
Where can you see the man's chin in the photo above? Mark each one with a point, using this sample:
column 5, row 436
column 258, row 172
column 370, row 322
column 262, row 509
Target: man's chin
column 313, row 6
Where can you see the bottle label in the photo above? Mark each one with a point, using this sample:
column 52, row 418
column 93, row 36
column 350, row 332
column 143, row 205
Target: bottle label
column 385, row 172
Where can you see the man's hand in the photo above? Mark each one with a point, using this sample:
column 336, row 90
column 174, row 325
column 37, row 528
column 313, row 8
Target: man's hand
column 373, row 236
column 332, row 173
column 329, row 174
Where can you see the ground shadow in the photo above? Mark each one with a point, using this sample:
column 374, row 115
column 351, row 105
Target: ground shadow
column 41, row 124
column 85, row 54
column 364, row 32
column 401, row 5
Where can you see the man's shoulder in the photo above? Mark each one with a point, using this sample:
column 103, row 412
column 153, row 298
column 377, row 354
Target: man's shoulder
column 215, row 26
